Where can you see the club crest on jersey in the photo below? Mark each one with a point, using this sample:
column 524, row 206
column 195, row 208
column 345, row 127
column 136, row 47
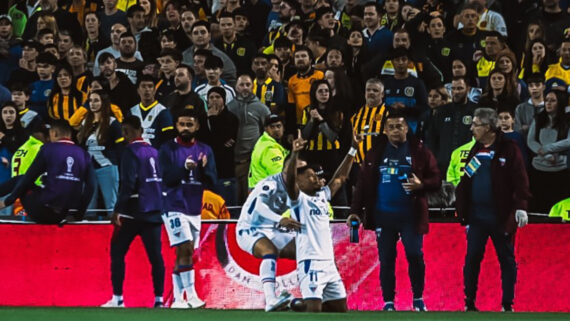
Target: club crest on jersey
column 467, row 120
column 409, row 91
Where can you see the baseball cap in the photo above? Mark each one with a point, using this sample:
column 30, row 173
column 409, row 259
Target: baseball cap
column 273, row 118
column 7, row 17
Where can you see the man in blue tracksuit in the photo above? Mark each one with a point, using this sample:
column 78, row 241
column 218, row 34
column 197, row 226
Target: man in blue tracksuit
column 137, row 211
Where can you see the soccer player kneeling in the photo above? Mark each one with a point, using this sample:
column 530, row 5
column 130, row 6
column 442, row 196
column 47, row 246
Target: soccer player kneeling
column 321, row 285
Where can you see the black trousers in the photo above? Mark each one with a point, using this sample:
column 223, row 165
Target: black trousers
column 386, row 239
column 477, row 237
column 121, row 241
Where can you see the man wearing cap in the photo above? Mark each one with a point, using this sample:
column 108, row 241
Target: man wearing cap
column 25, row 71
column 10, row 50
column 222, row 128
column 268, row 155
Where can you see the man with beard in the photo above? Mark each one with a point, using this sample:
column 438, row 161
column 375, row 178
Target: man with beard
column 300, row 85
column 268, row 90
column 451, row 125
column 251, row 114
column 122, row 91
column 184, row 97
column 127, row 62
column 188, row 168
column 116, row 31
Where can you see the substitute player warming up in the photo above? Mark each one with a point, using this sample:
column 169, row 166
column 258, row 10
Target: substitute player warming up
column 188, row 166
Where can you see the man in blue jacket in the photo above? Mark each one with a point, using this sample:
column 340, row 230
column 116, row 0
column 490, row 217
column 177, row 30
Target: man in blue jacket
column 492, row 198
column 188, row 167
column 137, row 211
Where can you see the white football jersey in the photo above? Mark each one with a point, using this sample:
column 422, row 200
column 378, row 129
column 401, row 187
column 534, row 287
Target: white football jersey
column 271, row 191
column 314, row 240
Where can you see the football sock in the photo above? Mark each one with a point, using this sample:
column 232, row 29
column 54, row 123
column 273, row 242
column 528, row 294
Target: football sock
column 176, row 286
column 267, row 274
column 186, row 276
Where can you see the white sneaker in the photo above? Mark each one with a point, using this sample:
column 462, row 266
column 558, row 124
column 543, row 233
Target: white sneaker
column 279, row 302
column 195, row 303
column 114, row 304
column 180, row 304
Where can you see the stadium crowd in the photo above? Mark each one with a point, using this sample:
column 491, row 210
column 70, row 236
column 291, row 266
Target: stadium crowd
column 256, row 71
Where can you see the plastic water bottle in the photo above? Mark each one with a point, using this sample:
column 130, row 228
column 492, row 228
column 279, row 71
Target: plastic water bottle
column 354, row 231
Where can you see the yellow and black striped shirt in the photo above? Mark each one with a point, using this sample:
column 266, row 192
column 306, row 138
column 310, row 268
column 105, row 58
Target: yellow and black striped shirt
column 63, row 106
column 82, row 82
column 320, row 142
column 368, row 120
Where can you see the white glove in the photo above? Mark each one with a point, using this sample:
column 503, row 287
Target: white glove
column 521, row 217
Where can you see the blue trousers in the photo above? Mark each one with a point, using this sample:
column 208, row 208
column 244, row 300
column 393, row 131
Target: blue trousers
column 121, row 241
column 386, row 239
column 107, row 184
column 477, row 237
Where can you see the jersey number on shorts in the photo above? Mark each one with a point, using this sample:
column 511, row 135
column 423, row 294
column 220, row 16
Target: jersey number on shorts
column 175, row 222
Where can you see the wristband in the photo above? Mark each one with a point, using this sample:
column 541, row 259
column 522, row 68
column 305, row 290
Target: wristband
column 352, row 151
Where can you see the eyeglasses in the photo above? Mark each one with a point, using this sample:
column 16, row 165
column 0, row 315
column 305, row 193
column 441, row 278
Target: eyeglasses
column 474, row 124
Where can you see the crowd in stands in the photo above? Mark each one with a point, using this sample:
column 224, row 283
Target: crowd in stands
column 255, row 72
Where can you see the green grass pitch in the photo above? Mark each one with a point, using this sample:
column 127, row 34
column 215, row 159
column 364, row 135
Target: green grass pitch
column 98, row 314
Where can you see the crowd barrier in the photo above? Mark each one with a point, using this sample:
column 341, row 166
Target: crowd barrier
column 69, row 266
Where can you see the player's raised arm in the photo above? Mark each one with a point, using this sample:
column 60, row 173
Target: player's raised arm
column 291, row 169
column 343, row 170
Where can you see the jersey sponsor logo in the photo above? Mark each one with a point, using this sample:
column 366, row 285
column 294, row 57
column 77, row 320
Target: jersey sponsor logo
column 268, row 96
column 409, row 91
column 243, row 268
column 189, row 107
column 276, row 158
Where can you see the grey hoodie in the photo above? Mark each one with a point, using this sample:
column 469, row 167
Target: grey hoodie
column 251, row 114
column 556, row 151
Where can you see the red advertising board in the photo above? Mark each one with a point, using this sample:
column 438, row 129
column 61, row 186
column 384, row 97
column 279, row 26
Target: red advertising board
column 70, row 266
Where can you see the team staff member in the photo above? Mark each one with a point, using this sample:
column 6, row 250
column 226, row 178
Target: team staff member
column 188, row 167
column 492, row 198
column 268, row 155
column 67, row 186
column 137, row 211
column 390, row 197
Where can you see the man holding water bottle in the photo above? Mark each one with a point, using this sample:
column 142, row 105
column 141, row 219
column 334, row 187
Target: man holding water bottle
column 390, row 197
